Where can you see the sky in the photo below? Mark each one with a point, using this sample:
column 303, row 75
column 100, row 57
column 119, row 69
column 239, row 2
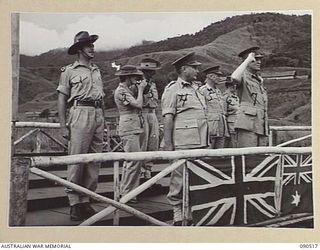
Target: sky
column 41, row 32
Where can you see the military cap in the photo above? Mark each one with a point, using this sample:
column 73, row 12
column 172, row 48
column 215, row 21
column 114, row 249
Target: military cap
column 243, row 54
column 188, row 60
column 149, row 64
column 129, row 70
column 80, row 39
column 213, row 69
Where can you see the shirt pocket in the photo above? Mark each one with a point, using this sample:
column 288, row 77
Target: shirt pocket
column 75, row 81
column 250, row 111
column 187, row 133
column 246, row 118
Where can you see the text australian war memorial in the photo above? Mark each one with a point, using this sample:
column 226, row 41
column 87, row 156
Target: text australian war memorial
column 209, row 129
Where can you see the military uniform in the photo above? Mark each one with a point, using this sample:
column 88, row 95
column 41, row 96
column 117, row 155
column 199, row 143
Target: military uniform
column 252, row 122
column 232, row 107
column 218, row 129
column 150, row 135
column 187, row 105
column 130, row 128
column 83, row 86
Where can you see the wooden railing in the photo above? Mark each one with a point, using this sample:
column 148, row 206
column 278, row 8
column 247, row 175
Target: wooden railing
column 179, row 157
column 19, row 168
column 112, row 142
column 275, row 129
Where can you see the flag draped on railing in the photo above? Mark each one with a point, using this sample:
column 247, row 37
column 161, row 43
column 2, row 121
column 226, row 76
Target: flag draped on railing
column 245, row 190
column 296, row 184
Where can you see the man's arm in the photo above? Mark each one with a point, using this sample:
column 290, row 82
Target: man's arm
column 138, row 102
column 62, row 109
column 238, row 73
column 168, row 132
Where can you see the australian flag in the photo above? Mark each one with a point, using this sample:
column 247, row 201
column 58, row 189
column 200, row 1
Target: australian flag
column 234, row 191
column 296, row 195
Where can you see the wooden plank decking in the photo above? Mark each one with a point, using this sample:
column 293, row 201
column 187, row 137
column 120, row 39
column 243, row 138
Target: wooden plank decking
column 156, row 206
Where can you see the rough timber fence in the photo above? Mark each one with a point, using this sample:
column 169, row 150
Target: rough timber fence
column 181, row 156
column 20, row 168
column 39, row 125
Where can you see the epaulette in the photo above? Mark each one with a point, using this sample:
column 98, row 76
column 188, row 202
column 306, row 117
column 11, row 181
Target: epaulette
column 65, row 67
column 170, row 84
column 95, row 66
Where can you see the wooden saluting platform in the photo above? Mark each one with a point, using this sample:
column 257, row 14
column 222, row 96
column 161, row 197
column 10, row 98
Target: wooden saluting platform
column 48, row 204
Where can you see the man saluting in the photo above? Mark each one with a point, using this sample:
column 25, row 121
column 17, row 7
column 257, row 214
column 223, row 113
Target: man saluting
column 252, row 122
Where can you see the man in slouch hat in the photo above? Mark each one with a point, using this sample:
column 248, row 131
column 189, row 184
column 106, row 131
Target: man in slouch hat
column 150, row 135
column 80, row 87
column 130, row 123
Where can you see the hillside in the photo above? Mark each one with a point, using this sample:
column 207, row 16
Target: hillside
column 286, row 41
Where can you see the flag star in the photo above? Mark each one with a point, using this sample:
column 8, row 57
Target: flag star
column 296, row 198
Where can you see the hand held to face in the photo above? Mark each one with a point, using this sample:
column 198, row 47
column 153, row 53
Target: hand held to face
column 142, row 84
column 251, row 57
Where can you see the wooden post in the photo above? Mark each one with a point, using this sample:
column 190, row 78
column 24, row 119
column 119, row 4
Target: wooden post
column 271, row 138
column 278, row 185
column 19, row 179
column 38, row 142
column 15, row 61
column 185, row 195
column 15, row 64
column 108, row 137
column 116, row 188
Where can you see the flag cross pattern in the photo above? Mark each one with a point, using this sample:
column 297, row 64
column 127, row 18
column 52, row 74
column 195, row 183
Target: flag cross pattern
column 297, row 168
column 235, row 191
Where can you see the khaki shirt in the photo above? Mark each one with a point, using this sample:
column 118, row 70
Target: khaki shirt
column 80, row 82
column 182, row 99
column 150, row 99
column 216, row 111
column 232, row 103
column 130, row 117
column 253, row 104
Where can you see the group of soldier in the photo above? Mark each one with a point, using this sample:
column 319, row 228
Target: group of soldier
column 195, row 115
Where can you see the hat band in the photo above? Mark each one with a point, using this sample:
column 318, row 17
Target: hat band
column 150, row 64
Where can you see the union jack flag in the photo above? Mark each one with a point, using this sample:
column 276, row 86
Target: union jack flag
column 296, row 184
column 235, row 191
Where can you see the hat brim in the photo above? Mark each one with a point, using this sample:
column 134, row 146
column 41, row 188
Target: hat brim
column 148, row 68
column 128, row 74
column 219, row 73
column 193, row 64
column 75, row 47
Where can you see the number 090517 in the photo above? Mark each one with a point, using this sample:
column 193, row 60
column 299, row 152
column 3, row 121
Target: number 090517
column 308, row 246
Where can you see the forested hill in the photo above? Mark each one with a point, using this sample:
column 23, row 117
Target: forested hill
column 288, row 38
column 285, row 40
column 291, row 37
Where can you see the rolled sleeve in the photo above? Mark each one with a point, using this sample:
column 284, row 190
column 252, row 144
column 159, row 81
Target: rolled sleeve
column 169, row 102
column 64, row 86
